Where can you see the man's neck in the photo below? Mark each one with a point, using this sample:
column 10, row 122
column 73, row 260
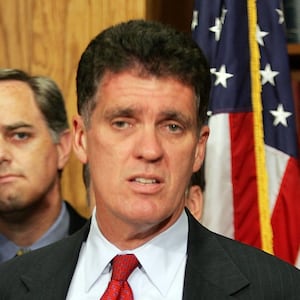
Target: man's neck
column 132, row 235
column 27, row 226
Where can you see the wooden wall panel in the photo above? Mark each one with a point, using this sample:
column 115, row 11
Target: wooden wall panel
column 177, row 13
column 15, row 33
column 47, row 37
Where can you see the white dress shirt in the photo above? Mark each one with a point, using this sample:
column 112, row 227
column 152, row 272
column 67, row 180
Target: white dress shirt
column 160, row 276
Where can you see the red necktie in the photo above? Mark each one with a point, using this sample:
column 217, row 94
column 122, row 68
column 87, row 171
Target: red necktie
column 118, row 287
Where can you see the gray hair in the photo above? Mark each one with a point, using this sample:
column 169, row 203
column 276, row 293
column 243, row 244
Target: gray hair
column 48, row 98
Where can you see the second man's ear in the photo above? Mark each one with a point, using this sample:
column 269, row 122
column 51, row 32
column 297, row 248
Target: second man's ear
column 194, row 201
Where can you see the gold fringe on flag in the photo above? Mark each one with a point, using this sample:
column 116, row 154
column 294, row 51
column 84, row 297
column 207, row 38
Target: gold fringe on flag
column 261, row 171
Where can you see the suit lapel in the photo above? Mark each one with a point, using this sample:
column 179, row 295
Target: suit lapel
column 210, row 270
column 54, row 283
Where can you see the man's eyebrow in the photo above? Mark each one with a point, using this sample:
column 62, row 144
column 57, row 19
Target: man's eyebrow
column 120, row 112
column 17, row 125
column 177, row 116
column 169, row 114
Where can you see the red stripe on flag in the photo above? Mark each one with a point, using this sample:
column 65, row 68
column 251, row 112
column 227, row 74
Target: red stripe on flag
column 286, row 215
column 245, row 199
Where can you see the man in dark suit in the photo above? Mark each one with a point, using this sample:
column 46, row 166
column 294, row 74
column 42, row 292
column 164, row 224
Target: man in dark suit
column 143, row 91
column 35, row 144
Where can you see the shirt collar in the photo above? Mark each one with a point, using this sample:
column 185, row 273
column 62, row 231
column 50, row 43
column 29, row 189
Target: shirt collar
column 160, row 257
column 57, row 231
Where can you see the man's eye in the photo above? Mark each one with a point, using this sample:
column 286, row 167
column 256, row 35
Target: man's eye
column 20, row 135
column 175, row 128
column 121, row 124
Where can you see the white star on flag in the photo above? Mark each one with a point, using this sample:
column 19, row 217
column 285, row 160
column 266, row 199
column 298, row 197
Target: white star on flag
column 221, row 75
column 280, row 115
column 268, row 75
column 260, row 35
column 217, row 28
column 224, row 12
column 195, row 19
column 280, row 15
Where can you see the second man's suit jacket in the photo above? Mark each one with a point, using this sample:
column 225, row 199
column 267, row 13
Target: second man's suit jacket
column 217, row 268
column 76, row 220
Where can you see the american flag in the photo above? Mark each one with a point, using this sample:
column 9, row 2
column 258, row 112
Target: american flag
column 252, row 168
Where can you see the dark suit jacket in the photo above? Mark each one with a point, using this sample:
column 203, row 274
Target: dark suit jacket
column 217, row 268
column 76, row 220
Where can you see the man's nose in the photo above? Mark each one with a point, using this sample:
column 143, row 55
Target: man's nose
column 5, row 152
column 149, row 146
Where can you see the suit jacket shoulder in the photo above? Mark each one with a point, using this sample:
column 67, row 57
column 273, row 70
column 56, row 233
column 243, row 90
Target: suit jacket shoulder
column 76, row 220
column 217, row 268
column 45, row 273
column 221, row 268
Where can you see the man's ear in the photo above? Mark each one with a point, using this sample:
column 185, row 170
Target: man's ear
column 79, row 139
column 194, row 201
column 64, row 147
column 200, row 149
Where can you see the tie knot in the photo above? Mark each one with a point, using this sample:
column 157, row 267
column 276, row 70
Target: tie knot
column 123, row 265
column 22, row 251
